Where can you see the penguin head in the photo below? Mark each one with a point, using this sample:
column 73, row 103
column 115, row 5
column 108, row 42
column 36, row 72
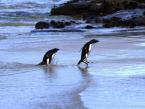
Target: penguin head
column 55, row 50
column 93, row 41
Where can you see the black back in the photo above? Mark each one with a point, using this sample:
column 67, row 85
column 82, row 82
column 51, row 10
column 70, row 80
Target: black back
column 48, row 55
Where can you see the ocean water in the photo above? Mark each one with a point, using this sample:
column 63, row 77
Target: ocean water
column 114, row 78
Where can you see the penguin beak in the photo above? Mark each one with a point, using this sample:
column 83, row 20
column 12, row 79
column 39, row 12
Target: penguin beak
column 97, row 41
column 58, row 49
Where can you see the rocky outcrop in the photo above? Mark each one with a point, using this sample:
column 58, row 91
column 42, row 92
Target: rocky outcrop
column 72, row 8
column 91, row 7
column 42, row 25
column 95, row 11
column 53, row 24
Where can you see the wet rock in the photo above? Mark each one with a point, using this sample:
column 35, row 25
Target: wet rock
column 61, row 24
column 73, row 22
column 54, row 24
column 84, row 8
column 89, row 8
column 42, row 25
column 118, row 22
column 123, row 13
column 93, row 20
column 67, row 23
column 114, row 21
column 95, row 7
column 144, row 13
column 140, row 21
column 58, row 24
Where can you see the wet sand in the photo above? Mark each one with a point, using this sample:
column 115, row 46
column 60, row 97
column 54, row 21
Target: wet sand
column 114, row 78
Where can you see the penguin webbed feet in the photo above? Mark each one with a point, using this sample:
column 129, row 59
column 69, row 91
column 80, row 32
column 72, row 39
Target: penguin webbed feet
column 86, row 62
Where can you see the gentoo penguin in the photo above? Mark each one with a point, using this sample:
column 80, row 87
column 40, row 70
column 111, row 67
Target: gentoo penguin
column 86, row 50
column 48, row 56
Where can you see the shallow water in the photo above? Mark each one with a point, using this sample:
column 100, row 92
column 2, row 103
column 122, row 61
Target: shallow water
column 114, row 78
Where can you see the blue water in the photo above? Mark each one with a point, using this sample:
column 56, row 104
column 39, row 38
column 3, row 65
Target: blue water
column 26, row 11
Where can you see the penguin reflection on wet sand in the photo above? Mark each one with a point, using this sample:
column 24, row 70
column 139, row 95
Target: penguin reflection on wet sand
column 47, row 59
column 86, row 50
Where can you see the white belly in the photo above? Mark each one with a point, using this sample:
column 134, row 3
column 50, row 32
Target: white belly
column 48, row 61
column 90, row 46
column 86, row 55
column 51, row 58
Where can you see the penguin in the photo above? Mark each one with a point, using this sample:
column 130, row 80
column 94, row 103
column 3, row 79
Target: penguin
column 47, row 59
column 86, row 50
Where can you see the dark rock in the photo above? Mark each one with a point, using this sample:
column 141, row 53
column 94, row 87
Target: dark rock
column 118, row 22
column 115, row 21
column 52, row 22
column 42, row 25
column 89, row 19
column 108, row 8
column 72, row 8
column 123, row 13
column 57, row 24
column 93, row 20
column 144, row 13
column 140, row 21
column 61, row 24
column 72, row 22
column 130, row 4
column 141, row 6
column 95, row 7
column 67, row 23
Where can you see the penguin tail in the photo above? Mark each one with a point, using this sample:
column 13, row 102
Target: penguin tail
column 41, row 63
